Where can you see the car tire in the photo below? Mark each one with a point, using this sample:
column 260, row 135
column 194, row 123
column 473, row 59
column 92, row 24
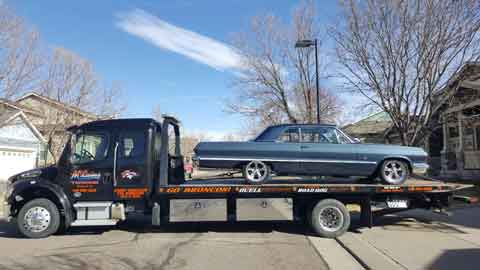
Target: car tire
column 329, row 218
column 256, row 172
column 394, row 171
column 38, row 218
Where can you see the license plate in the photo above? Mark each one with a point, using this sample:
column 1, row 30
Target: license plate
column 397, row 204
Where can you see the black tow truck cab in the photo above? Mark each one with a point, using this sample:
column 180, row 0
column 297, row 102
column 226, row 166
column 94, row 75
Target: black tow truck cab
column 112, row 168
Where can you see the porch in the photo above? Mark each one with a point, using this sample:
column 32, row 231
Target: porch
column 460, row 156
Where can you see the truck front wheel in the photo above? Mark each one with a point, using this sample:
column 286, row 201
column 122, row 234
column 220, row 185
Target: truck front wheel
column 38, row 218
column 330, row 218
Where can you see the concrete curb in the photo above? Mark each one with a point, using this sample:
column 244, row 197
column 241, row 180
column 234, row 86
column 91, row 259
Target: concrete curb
column 366, row 254
column 334, row 255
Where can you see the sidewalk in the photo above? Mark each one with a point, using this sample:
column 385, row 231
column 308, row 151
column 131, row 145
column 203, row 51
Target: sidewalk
column 419, row 239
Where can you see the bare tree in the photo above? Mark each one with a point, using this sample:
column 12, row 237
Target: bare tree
column 397, row 53
column 70, row 80
column 277, row 81
column 20, row 60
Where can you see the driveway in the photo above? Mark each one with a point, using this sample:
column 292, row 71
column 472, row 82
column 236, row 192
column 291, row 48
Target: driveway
column 419, row 239
column 415, row 239
column 136, row 245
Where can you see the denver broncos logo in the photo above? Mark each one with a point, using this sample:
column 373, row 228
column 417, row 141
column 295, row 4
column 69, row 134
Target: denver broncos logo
column 127, row 174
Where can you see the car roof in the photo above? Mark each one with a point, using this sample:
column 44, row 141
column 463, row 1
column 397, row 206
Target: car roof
column 304, row 125
column 272, row 132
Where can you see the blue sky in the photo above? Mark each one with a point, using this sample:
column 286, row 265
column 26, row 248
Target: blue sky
column 185, row 59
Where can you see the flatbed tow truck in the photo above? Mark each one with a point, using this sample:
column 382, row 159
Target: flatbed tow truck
column 113, row 168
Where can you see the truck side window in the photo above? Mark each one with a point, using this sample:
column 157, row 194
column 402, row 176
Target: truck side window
column 89, row 147
column 132, row 145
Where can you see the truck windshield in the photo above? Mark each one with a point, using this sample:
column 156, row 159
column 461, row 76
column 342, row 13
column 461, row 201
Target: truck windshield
column 89, row 147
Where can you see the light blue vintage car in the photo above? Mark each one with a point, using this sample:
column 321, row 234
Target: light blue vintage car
column 321, row 150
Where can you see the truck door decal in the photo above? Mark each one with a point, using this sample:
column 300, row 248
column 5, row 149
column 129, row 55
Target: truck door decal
column 130, row 193
column 84, row 176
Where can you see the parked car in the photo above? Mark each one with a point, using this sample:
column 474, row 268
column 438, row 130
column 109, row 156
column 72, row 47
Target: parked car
column 321, row 150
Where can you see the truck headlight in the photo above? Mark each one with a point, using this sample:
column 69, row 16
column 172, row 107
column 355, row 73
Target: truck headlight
column 31, row 174
column 9, row 190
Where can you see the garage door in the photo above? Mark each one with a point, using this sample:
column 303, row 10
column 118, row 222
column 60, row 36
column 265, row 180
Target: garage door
column 13, row 162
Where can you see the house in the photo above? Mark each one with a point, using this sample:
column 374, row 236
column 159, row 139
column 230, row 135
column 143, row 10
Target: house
column 372, row 129
column 56, row 117
column 38, row 123
column 20, row 144
column 454, row 143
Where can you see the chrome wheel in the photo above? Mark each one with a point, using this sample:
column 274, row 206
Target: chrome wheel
column 394, row 171
column 256, row 171
column 36, row 219
column 331, row 219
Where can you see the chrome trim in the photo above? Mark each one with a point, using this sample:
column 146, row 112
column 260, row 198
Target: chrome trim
column 345, row 134
column 420, row 168
column 115, row 164
column 289, row 160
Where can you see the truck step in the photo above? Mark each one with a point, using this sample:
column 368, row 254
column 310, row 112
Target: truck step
column 94, row 222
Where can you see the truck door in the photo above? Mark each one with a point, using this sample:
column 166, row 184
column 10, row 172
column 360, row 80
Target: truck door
column 130, row 165
column 91, row 167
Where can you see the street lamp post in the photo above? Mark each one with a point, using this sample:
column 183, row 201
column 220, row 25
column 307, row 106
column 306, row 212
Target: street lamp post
column 305, row 44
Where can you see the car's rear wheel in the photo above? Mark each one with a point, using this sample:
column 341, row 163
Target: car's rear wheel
column 256, row 172
column 38, row 218
column 394, row 171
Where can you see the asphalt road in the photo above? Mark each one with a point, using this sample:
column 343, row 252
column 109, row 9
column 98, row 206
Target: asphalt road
column 136, row 245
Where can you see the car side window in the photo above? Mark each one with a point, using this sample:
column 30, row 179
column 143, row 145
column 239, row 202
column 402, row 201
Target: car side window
column 319, row 135
column 290, row 136
column 132, row 145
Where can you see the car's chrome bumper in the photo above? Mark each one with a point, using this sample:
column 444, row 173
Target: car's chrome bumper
column 420, row 168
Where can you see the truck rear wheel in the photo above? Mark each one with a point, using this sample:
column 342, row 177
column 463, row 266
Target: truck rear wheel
column 38, row 218
column 330, row 218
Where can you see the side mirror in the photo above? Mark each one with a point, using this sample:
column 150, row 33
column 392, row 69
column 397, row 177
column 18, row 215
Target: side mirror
column 356, row 140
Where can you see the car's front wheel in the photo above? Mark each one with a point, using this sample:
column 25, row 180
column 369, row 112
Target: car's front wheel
column 394, row 171
column 256, row 172
column 38, row 218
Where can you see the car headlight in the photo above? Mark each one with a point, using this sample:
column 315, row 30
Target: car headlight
column 31, row 174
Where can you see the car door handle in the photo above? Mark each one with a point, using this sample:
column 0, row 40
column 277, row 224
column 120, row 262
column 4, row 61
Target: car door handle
column 304, row 147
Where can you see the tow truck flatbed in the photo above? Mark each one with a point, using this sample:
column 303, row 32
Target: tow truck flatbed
column 306, row 185
column 305, row 193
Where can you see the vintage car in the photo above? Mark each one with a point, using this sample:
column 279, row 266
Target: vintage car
column 320, row 150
